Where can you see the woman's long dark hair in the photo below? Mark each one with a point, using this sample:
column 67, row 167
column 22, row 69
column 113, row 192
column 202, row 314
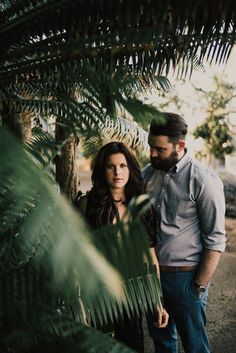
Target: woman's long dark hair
column 101, row 209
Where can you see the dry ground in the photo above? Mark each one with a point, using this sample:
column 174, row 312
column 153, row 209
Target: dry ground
column 221, row 310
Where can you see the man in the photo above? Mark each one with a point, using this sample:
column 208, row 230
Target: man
column 190, row 209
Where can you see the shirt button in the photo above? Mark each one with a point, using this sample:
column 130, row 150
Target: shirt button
column 163, row 190
column 158, row 206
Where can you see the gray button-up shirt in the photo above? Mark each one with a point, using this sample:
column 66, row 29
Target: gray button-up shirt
column 190, row 206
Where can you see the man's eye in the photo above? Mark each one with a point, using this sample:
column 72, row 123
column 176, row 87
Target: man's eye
column 158, row 149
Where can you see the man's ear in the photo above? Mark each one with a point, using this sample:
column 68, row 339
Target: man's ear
column 181, row 145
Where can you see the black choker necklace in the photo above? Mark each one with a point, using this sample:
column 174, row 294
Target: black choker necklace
column 117, row 201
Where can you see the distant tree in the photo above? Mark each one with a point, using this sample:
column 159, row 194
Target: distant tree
column 216, row 129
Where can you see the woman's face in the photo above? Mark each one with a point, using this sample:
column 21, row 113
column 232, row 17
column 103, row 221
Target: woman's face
column 116, row 171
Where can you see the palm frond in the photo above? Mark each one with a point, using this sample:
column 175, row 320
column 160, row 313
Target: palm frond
column 34, row 217
column 44, row 149
column 99, row 98
column 120, row 129
column 140, row 280
column 58, row 332
column 149, row 39
column 44, row 241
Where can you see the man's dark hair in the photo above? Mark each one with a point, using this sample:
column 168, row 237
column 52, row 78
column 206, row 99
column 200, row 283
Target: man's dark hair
column 171, row 125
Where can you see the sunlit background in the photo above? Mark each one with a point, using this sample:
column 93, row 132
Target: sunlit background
column 193, row 108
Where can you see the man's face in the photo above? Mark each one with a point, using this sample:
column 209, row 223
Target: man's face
column 163, row 154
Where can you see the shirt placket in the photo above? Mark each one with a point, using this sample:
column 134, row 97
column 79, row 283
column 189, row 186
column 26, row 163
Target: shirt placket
column 163, row 184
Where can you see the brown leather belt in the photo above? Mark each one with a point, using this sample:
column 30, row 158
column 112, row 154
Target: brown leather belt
column 177, row 268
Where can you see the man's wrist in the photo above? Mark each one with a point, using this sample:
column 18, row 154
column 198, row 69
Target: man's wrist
column 200, row 288
column 201, row 281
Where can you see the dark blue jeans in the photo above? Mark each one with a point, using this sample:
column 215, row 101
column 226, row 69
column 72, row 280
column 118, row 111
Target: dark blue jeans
column 187, row 315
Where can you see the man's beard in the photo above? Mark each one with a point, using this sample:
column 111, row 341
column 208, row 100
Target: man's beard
column 165, row 164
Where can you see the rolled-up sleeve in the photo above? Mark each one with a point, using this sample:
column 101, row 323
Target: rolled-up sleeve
column 211, row 211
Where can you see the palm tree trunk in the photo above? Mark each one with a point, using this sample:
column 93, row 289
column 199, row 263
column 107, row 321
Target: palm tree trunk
column 66, row 166
column 19, row 124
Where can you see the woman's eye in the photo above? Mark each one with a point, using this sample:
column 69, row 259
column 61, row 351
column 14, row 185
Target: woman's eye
column 113, row 167
column 109, row 166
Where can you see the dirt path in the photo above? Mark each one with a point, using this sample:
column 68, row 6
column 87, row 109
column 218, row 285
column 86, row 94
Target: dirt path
column 221, row 310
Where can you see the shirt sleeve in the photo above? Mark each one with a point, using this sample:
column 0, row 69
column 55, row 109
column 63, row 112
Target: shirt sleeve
column 211, row 212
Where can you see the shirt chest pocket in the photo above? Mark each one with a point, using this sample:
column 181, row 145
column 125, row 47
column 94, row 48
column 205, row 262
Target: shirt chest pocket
column 186, row 208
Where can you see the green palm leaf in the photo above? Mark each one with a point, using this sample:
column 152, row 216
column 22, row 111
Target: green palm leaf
column 149, row 39
column 47, row 253
column 31, row 208
column 117, row 243
column 59, row 333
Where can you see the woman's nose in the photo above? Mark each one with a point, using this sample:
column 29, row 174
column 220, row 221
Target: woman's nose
column 116, row 170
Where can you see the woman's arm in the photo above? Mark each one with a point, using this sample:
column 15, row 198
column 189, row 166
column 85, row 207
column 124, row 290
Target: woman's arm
column 81, row 203
column 155, row 260
column 161, row 313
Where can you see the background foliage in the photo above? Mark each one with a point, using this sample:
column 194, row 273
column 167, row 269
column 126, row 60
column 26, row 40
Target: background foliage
column 76, row 65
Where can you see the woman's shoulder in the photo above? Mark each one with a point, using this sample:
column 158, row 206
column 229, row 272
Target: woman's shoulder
column 81, row 202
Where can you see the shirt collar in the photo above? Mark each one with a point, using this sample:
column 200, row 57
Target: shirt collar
column 182, row 162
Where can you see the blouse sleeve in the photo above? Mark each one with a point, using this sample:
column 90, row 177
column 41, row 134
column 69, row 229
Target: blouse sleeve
column 81, row 203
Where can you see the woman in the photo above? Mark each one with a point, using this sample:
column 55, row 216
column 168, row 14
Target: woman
column 116, row 179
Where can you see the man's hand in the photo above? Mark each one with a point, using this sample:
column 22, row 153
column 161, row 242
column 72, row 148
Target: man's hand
column 162, row 318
